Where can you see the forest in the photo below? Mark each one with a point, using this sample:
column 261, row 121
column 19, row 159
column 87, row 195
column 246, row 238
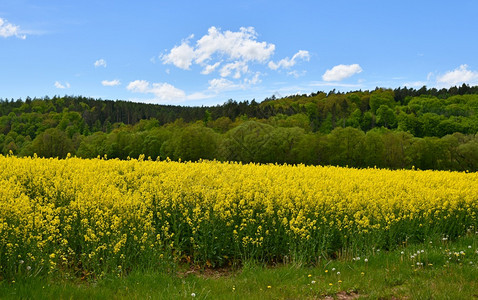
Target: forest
column 403, row 128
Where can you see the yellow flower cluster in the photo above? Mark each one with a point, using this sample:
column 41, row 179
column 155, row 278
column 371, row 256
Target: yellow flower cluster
column 95, row 216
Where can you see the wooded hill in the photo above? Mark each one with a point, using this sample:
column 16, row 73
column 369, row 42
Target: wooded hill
column 401, row 128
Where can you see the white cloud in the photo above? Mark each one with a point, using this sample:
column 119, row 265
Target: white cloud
column 162, row 91
column 238, row 68
column 287, row 63
column 138, row 86
column 58, row 85
column 114, row 82
column 198, row 96
column 8, row 29
column 458, row 76
column 239, row 45
column 166, row 91
column 181, row 56
column 100, row 63
column 221, row 84
column 232, row 55
column 239, row 48
column 340, row 72
column 210, row 68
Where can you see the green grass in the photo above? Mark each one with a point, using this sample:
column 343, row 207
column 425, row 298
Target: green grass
column 376, row 275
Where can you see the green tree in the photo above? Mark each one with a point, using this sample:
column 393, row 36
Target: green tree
column 354, row 119
column 374, row 149
column 431, row 123
column 409, row 123
column 279, row 148
column 192, row 143
column 381, row 97
column 312, row 149
column 244, row 142
column 386, row 117
column 396, row 149
column 468, row 153
column 154, row 140
column 93, row 145
column 52, row 143
column 427, row 153
column 221, row 125
column 346, row 146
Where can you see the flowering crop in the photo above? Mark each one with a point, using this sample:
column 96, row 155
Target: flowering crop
column 98, row 216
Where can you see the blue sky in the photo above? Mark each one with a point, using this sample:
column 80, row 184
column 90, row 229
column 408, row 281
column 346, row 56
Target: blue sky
column 206, row 52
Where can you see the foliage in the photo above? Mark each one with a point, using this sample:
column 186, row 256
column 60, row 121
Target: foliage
column 425, row 128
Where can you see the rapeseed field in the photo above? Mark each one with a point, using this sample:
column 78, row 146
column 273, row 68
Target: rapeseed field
column 92, row 217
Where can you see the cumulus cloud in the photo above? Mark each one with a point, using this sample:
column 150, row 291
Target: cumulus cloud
column 287, row 63
column 221, row 84
column 340, row 72
column 458, row 76
column 210, row 68
column 198, row 96
column 239, row 45
column 138, row 86
column 238, row 48
column 114, row 82
column 230, row 56
column 8, row 29
column 100, row 63
column 166, row 91
column 181, row 56
column 58, row 85
column 162, row 91
column 236, row 69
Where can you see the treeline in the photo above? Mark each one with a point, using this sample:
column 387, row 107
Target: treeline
column 401, row 128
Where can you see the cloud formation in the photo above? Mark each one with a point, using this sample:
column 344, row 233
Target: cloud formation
column 210, row 68
column 100, row 63
column 181, row 56
column 340, row 72
column 287, row 63
column 221, row 84
column 162, row 91
column 114, row 82
column 138, row 86
column 235, row 69
column 458, row 76
column 230, row 56
column 167, row 93
column 58, row 85
column 8, row 29
column 237, row 48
